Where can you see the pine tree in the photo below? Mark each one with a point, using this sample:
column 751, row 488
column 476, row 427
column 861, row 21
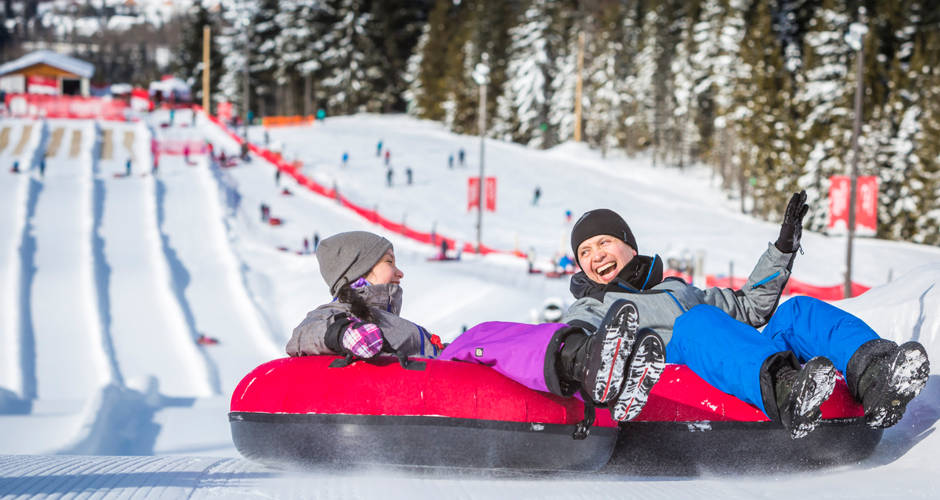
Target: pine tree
column 235, row 47
column 350, row 59
column 763, row 92
column 398, row 24
column 523, row 105
column 908, row 170
column 428, row 88
column 299, row 51
column 825, row 101
column 189, row 64
column 263, row 57
column 604, row 79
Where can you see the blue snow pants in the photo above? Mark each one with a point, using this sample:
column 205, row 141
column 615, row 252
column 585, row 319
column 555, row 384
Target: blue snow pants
column 728, row 354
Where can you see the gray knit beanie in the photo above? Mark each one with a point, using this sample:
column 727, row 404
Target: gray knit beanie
column 344, row 257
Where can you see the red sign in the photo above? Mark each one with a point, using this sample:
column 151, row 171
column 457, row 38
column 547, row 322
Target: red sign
column 48, row 106
column 490, row 189
column 866, row 205
column 223, row 111
column 473, row 193
column 42, row 85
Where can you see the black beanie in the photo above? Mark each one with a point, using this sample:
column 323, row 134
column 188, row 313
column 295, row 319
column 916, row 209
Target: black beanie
column 600, row 221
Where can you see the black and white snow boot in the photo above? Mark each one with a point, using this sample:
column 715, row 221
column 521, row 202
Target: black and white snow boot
column 597, row 361
column 800, row 393
column 885, row 377
column 646, row 365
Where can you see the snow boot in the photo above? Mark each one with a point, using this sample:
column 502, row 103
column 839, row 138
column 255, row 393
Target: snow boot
column 884, row 377
column 800, row 393
column 647, row 361
column 596, row 362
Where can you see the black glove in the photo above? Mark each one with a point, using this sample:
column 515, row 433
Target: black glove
column 792, row 228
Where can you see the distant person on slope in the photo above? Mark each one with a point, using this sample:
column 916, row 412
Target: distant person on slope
column 713, row 331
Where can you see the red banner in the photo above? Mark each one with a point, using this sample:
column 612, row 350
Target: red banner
column 473, row 193
column 490, row 189
column 866, row 205
column 224, row 111
column 42, row 85
column 49, row 106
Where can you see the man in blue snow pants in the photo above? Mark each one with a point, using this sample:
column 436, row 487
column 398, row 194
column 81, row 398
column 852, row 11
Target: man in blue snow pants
column 789, row 369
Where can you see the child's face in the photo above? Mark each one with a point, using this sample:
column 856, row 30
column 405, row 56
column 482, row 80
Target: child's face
column 602, row 257
column 384, row 271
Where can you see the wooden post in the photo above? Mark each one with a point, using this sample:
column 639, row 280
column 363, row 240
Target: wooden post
column 856, row 131
column 205, row 69
column 577, row 90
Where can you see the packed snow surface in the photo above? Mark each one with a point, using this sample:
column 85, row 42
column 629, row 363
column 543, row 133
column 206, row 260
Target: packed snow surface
column 108, row 281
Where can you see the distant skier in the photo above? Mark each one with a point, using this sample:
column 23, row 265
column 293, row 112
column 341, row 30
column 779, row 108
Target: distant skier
column 265, row 212
column 267, row 139
column 450, row 161
column 277, row 177
column 408, row 175
column 316, row 241
column 127, row 168
column 16, row 167
column 536, row 195
column 345, row 158
column 388, row 177
column 378, row 148
column 567, row 215
column 388, row 156
column 306, row 246
column 460, row 156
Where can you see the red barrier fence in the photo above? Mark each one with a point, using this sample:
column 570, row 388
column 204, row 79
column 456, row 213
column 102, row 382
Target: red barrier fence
column 180, row 146
column 369, row 214
column 57, row 106
column 794, row 287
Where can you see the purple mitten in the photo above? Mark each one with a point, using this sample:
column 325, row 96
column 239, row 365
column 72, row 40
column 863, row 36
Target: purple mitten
column 363, row 339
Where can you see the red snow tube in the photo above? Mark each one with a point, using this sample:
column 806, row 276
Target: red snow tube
column 303, row 412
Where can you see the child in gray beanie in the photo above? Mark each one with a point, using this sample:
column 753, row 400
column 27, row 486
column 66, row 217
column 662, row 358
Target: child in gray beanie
column 362, row 319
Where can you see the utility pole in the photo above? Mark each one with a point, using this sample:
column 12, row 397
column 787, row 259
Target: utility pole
column 481, row 77
column 578, row 89
column 856, row 39
column 246, row 88
column 205, row 69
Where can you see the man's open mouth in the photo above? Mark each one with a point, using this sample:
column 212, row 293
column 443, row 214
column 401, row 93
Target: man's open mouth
column 606, row 269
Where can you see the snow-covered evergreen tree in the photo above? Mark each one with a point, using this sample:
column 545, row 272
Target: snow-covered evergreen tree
column 763, row 94
column 524, row 105
column 604, row 79
column 235, row 47
column 562, row 40
column 189, row 63
column 908, row 170
column 350, row 60
column 825, row 100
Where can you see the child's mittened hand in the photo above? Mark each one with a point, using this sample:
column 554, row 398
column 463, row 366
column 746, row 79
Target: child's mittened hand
column 363, row 339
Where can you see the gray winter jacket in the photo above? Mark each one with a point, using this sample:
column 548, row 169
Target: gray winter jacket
column 309, row 337
column 660, row 305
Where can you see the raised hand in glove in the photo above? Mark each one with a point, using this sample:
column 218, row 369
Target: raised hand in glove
column 792, row 228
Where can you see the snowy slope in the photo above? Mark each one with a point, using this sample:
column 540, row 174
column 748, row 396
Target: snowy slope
column 65, row 326
column 160, row 260
column 147, row 325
